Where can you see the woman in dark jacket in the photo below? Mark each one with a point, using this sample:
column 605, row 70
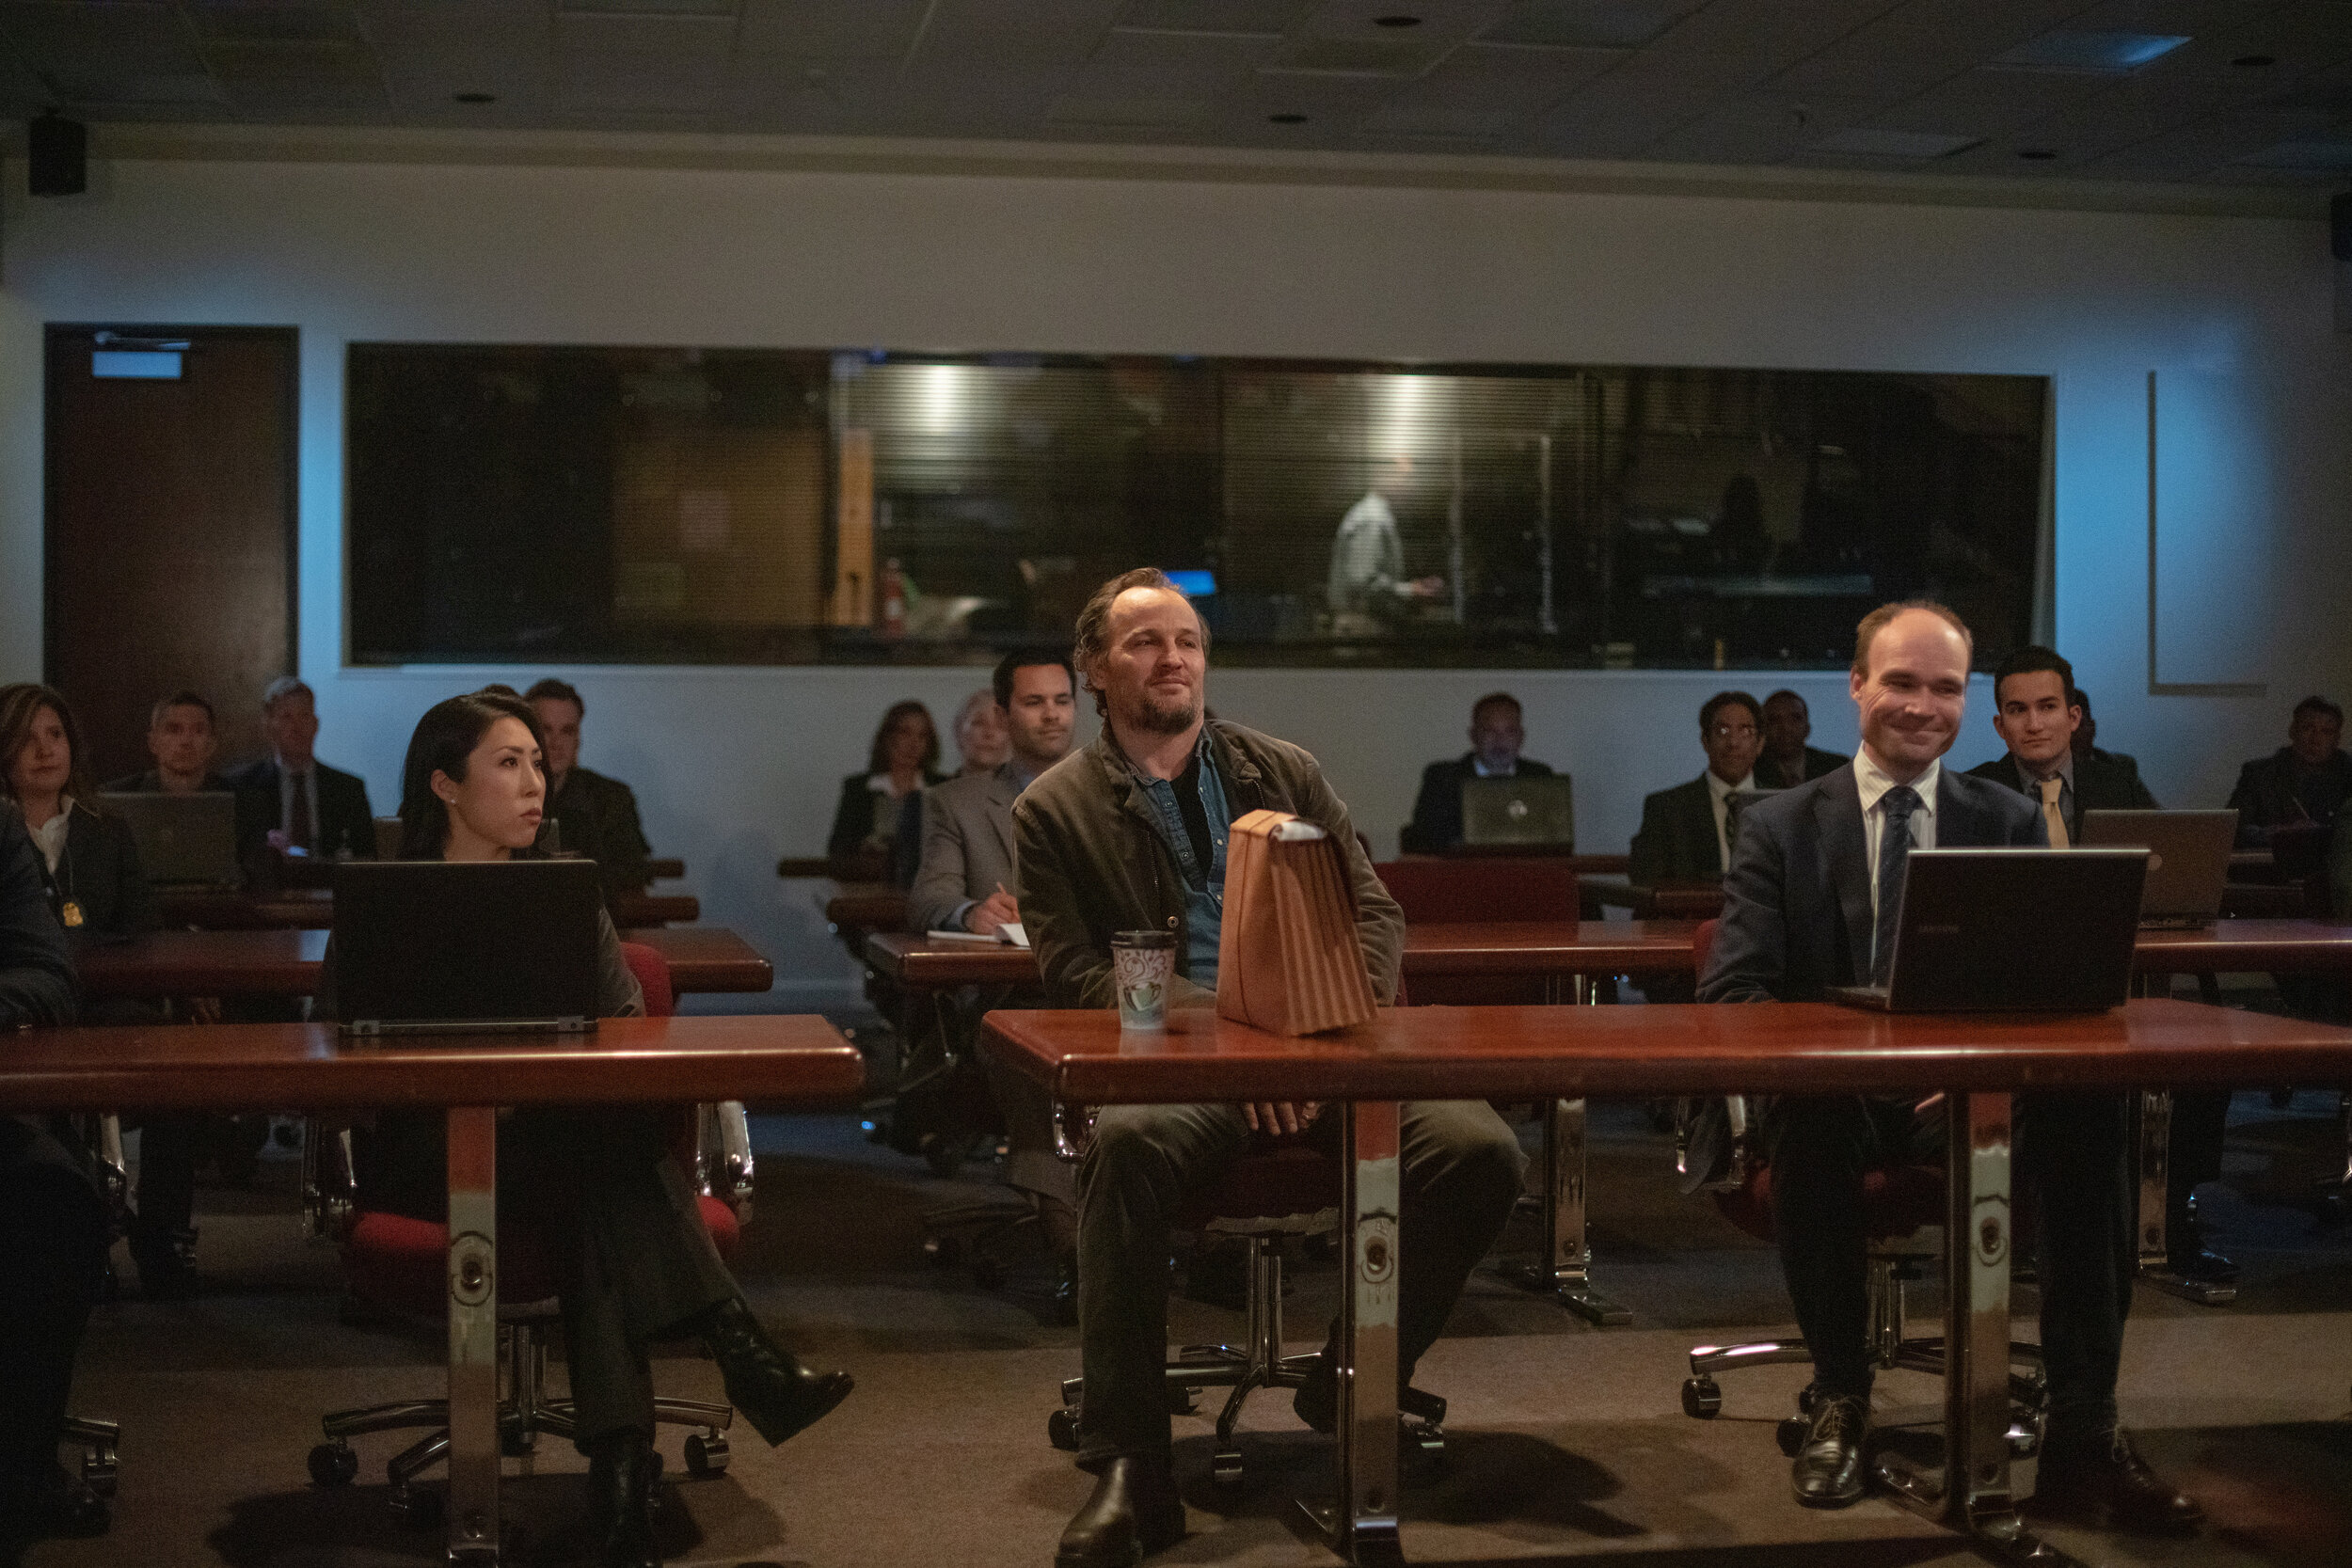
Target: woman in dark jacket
column 880, row 805
column 638, row 1264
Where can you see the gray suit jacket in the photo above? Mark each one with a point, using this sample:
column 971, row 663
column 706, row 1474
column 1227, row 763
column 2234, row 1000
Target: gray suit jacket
column 967, row 846
column 1796, row 899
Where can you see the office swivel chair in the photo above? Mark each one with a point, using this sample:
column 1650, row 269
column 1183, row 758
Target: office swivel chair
column 397, row 1264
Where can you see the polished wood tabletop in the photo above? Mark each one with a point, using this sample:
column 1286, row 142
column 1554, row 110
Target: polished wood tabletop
column 1689, row 901
column 286, row 962
column 2247, row 946
column 930, row 963
column 1550, row 947
column 306, row 1066
column 867, row 906
column 1569, row 1052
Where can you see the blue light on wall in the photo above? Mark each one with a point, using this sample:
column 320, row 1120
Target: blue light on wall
column 129, row 364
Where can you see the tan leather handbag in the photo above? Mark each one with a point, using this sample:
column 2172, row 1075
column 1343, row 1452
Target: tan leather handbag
column 1287, row 957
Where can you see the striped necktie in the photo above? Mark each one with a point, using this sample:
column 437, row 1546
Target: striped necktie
column 1894, row 856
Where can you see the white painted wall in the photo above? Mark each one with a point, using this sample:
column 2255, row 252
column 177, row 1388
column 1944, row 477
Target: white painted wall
column 736, row 766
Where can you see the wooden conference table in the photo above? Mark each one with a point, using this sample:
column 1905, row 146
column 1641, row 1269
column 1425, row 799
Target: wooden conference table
column 286, row 962
column 1977, row 1062
column 302, row 1066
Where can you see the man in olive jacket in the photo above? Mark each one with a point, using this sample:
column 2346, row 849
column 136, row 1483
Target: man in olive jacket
column 1129, row 835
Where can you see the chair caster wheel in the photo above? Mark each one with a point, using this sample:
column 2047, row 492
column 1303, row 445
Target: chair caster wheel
column 706, row 1454
column 1702, row 1398
column 418, row 1507
column 97, row 1470
column 334, row 1464
column 1225, row 1469
column 1061, row 1430
column 1791, row 1434
column 1804, row 1398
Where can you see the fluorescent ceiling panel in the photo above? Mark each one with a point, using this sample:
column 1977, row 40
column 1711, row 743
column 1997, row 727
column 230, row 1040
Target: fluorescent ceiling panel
column 2067, row 50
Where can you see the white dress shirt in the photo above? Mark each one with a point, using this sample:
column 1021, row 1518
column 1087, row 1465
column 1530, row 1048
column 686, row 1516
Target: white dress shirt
column 50, row 835
column 1874, row 782
column 1719, row 795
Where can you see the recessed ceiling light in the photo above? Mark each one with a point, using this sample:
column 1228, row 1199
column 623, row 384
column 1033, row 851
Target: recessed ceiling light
column 2036, row 155
column 1396, row 21
column 1288, row 119
column 2255, row 62
column 475, row 97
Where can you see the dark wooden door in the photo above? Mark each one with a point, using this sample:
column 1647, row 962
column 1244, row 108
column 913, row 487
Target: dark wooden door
column 170, row 545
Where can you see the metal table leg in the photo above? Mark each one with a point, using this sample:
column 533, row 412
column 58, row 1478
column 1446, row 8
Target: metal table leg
column 1360, row 1523
column 473, row 1338
column 1970, row 1491
column 1564, row 1269
column 2154, row 1136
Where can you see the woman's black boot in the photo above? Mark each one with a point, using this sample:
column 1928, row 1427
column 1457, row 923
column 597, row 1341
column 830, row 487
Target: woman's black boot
column 621, row 1471
column 765, row 1382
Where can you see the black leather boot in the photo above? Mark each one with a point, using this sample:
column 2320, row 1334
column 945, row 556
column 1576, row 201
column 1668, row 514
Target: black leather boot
column 1135, row 1511
column 765, row 1382
column 1827, row 1472
column 621, row 1472
column 2098, row 1479
column 166, row 1263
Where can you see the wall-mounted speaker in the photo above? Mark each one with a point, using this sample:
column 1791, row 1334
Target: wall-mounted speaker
column 59, row 156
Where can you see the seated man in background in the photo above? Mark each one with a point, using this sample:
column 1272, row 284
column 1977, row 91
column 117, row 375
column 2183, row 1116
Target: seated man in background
column 1685, row 834
column 1787, row 761
column 2033, row 712
column 1811, row 902
column 1129, row 835
column 52, row 1231
column 1495, row 736
column 2304, row 781
column 182, row 738
column 964, row 883
column 595, row 816
column 2087, row 734
column 291, row 805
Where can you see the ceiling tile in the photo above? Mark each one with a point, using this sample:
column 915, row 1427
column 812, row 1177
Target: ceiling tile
column 97, row 41
column 831, row 29
column 1589, row 23
column 623, row 37
column 1022, row 36
column 1986, row 103
column 424, row 24
column 1481, row 90
column 1190, row 66
column 1215, row 16
column 1759, row 128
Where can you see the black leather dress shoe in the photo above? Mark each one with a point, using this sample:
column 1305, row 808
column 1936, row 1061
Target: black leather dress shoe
column 43, row 1500
column 2102, row 1481
column 1135, row 1511
column 167, row 1263
column 621, row 1472
column 1827, row 1472
column 765, row 1382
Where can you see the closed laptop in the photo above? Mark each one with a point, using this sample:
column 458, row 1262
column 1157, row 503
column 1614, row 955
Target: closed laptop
column 2011, row 931
column 426, row 946
column 1519, row 811
column 2188, row 859
column 183, row 840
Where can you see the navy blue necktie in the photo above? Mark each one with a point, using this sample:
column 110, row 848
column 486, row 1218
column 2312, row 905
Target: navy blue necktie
column 1894, row 854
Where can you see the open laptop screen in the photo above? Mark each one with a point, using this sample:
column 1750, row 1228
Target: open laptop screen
column 425, row 946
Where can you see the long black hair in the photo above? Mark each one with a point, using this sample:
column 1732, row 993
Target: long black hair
column 445, row 738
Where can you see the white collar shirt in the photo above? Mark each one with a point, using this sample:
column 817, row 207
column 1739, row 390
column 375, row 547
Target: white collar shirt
column 1874, row 782
column 1478, row 765
column 50, row 835
column 1719, row 796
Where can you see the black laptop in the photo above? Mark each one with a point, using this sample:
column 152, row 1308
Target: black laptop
column 2011, row 931
column 184, row 840
column 427, row 947
column 2188, row 860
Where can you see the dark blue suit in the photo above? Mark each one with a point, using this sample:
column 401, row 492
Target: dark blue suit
column 1796, row 921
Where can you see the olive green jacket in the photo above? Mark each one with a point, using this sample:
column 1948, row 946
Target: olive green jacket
column 1092, row 861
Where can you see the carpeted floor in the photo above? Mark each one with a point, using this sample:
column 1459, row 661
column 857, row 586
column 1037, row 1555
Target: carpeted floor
column 1567, row 1442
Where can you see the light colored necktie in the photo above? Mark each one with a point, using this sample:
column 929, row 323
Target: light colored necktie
column 2050, row 812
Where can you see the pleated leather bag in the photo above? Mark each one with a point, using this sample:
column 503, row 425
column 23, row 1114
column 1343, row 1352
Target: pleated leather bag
column 1287, row 957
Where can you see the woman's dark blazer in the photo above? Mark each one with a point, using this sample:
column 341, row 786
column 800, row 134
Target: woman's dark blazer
column 853, row 814
column 99, row 872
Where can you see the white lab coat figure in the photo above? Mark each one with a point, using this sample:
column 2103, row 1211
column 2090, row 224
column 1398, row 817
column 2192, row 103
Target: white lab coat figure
column 1367, row 561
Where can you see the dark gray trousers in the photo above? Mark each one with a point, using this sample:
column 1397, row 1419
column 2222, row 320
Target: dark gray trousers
column 1460, row 1171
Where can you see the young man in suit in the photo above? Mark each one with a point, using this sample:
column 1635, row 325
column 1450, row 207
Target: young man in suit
column 1787, row 761
column 1811, row 902
column 2035, row 714
column 182, row 738
column 289, row 803
column 595, row 816
column 1686, row 831
column 1495, row 736
column 1129, row 835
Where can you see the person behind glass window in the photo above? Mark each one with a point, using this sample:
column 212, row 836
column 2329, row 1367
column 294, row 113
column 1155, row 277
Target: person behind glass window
column 291, row 805
column 594, row 815
column 1785, row 761
column 637, row 1266
column 1686, row 831
column 1129, row 835
column 1811, row 902
column 1496, row 735
column 872, row 811
column 2303, row 784
column 182, row 738
column 1366, row 587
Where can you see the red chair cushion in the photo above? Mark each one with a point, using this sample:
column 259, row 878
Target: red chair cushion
column 1895, row 1202
column 653, row 977
column 1474, row 891
column 1703, row 944
column 1274, row 1181
column 396, row 1261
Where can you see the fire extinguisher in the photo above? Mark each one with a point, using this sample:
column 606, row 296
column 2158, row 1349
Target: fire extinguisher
column 894, row 600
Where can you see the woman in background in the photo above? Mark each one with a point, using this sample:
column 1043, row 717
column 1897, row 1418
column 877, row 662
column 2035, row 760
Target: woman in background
column 872, row 811
column 638, row 1266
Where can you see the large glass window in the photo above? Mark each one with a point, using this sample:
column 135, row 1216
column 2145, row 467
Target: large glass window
column 653, row 505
